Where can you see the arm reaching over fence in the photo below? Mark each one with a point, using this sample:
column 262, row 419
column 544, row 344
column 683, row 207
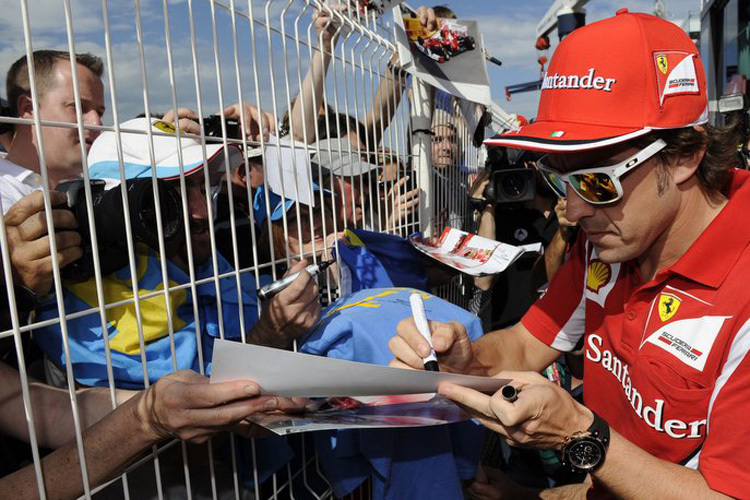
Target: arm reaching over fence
column 181, row 405
column 306, row 105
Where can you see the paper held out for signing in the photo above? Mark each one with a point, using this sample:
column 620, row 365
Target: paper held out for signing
column 356, row 395
column 286, row 373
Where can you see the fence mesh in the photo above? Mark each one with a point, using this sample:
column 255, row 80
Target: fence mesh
column 306, row 80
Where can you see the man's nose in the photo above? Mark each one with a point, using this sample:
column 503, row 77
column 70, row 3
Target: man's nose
column 92, row 117
column 197, row 204
column 577, row 209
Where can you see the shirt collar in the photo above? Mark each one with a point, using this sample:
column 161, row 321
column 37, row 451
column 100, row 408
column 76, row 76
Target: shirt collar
column 21, row 174
column 729, row 232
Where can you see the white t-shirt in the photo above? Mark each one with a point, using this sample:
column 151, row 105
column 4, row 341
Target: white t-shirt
column 15, row 183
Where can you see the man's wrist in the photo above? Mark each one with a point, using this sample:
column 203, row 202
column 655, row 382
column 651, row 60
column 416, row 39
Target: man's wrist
column 583, row 420
column 266, row 335
column 585, row 451
column 141, row 410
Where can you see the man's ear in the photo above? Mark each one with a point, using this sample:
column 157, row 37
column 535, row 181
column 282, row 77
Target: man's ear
column 685, row 167
column 25, row 107
column 239, row 173
column 239, row 176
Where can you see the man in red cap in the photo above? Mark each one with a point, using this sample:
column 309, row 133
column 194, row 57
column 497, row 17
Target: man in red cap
column 653, row 290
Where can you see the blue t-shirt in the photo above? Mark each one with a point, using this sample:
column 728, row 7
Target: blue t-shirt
column 357, row 328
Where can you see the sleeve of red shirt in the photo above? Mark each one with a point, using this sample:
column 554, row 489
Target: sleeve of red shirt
column 557, row 319
column 725, row 454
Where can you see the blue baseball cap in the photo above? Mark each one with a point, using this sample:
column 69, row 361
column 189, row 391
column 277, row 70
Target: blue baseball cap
column 278, row 205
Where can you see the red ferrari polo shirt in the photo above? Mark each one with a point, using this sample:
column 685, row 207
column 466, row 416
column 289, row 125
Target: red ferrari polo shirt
column 666, row 361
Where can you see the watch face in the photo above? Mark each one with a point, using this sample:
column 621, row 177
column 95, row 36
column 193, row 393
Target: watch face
column 585, row 453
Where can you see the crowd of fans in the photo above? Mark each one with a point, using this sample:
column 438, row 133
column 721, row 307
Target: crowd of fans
column 230, row 234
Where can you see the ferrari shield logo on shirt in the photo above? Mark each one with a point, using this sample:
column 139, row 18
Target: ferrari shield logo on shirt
column 675, row 74
column 668, row 305
column 662, row 64
column 689, row 340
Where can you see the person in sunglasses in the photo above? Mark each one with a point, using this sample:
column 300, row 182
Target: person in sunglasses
column 654, row 288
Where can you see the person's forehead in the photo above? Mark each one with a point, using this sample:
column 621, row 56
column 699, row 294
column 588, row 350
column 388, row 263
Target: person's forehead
column 61, row 82
column 600, row 157
column 443, row 129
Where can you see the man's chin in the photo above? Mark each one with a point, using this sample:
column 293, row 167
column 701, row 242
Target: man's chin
column 612, row 255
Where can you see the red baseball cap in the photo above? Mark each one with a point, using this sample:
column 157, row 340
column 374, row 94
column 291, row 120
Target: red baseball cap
column 612, row 81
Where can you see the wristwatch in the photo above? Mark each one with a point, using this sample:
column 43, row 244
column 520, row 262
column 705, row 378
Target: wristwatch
column 585, row 451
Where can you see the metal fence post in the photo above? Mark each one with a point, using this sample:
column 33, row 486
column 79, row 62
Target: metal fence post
column 421, row 117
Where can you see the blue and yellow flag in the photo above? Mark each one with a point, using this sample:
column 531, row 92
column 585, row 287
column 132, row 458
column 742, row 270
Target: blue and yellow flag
column 87, row 344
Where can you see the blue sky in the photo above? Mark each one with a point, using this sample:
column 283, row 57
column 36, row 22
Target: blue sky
column 508, row 28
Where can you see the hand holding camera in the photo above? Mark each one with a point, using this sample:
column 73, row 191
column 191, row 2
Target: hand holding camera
column 506, row 180
column 29, row 242
column 257, row 122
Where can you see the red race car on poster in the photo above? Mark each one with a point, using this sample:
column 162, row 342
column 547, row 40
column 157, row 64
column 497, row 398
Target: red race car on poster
column 449, row 41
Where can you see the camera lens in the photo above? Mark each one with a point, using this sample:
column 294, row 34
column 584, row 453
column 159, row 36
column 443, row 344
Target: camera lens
column 514, row 185
column 141, row 197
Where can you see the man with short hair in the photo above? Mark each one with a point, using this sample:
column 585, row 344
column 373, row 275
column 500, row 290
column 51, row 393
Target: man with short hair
column 654, row 287
column 20, row 173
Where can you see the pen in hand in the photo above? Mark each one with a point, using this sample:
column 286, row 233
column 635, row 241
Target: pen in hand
column 268, row 291
column 420, row 318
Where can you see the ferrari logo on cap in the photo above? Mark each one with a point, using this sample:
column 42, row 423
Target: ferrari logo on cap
column 598, row 275
column 668, row 305
column 165, row 127
column 662, row 63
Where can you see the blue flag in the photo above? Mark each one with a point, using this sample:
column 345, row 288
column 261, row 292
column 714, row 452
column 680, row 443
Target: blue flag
column 86, row 338
column 381, row 260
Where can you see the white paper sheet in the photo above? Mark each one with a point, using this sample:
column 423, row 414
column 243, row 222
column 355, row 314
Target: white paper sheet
column 295, row 170
column 286, row 373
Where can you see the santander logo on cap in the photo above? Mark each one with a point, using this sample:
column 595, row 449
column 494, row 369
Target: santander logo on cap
column 587, row 81
column 612, row 81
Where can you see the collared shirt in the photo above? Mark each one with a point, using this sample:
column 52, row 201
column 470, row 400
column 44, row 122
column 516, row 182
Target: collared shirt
column 666, row 361
column 16, row 182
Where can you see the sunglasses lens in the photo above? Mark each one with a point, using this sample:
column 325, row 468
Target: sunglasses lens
column 557, row 184
column 594, row 187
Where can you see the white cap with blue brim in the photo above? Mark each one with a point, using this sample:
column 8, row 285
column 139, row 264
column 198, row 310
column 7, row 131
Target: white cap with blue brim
column 136, row 162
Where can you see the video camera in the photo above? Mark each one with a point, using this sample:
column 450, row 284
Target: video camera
column 109, row 221
column 511, row 182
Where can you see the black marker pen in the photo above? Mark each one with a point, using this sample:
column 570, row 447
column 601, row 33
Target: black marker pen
column 420, row 318
column 509, row 393
column 268, row 291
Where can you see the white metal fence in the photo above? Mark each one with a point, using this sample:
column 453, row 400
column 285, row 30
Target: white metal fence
column 205, row 56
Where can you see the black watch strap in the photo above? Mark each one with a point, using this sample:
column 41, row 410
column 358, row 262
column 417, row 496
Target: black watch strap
column 599, row 429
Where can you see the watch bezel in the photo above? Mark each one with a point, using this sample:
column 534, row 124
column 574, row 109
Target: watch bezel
column 569, row 458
